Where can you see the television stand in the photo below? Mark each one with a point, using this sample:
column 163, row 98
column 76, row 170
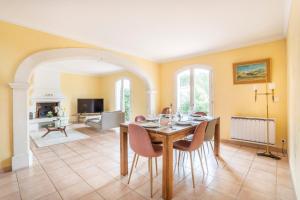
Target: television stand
column 82, row 117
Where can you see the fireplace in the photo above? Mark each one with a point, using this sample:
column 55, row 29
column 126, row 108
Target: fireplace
column 43, row 108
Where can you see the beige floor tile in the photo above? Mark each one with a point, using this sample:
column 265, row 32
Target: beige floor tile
column 114, row 190
column 264, row 167
column 11, row 196
column 144, row 190
column 89, row 172
column 132, row 195
column 76, row 191
column 8, row 178
column 100, row 181
column 229, row 188
column 285, row 181
column 8, row 189
column 285, row 193
column 67, row 181
column 52, row 196
column 28, row 172
column 209, row 194
column 54, row 165
column 260, row 186
column 249, row 194
column 36, row 191
column 92, row 196
column 262, row 176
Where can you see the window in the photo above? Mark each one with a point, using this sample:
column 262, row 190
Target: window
column 123, row 99
column 193, row 90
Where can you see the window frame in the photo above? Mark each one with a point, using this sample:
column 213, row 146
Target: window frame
column 191, row 69
column 122, row 106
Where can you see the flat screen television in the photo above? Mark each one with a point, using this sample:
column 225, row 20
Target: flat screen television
column 89, row 105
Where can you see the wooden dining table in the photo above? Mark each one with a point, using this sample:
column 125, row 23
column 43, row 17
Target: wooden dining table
column 167, row 136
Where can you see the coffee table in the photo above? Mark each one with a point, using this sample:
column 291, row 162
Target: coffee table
column 57, row 125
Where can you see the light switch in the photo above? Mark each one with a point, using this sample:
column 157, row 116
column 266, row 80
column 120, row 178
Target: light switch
column 276, row 99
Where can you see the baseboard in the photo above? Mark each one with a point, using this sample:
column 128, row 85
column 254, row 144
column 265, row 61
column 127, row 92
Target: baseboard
column 5, row 169
column 22, row 161
column 250, row 144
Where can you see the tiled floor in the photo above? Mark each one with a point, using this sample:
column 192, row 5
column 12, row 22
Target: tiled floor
column 89, row 169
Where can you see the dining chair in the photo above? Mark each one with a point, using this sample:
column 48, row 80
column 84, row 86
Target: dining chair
column 209, row 136
column 166, row 110
column 140, row 143
column 192, row 146
column 200, row 113
column 141, row 118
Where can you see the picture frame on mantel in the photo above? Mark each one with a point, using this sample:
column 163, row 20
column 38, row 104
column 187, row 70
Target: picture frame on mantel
column 257, row 71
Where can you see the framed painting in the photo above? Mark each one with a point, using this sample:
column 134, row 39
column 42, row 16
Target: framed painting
column 257, row 71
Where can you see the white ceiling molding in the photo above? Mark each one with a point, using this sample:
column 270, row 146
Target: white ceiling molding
column 155, row 30
column 288, row 7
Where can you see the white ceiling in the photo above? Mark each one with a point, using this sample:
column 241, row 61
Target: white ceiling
column 158, row 30
column 82, row 67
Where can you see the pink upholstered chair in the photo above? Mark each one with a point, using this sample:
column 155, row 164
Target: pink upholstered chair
column 139, row 118
column 193, row 145
column 166, row 110
column 140, row 143
column 201, row 113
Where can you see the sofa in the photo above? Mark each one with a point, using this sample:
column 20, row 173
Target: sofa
column 107, row 120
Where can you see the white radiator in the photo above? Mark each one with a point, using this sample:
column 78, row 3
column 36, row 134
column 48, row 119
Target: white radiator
column 252, row 129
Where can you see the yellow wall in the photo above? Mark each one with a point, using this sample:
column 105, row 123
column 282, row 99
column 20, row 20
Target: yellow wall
column 17, row 43
column 293, row 57
column 78, row 86
column 81, row 86
column 230, row 99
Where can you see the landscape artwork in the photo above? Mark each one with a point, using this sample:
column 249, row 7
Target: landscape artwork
column 251, row 72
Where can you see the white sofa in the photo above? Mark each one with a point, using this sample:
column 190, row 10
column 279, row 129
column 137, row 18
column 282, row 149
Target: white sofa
column 108, row 120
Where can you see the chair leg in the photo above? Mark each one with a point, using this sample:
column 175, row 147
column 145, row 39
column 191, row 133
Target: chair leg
column 137, row 159
column 179, row 153
column 207, row 148
column 192, row 168
column 151, row 178
column 132, row 165
column 200, row 160
column 175, row 160
column 156, row 168
column 205, row 157
column 213, row 152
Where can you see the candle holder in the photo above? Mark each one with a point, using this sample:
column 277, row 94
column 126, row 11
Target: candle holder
column 267, row 93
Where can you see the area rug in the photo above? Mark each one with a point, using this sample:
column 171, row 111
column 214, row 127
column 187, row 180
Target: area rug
column 56, row 137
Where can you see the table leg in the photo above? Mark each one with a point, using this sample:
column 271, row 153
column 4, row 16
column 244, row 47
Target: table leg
column 48, row 131
column 217, row 138
column 64, row 130
column 123, row 151
column 167, row 168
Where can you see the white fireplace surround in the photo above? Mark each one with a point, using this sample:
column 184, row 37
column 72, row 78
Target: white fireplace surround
column 22, row 155
column 46, row 88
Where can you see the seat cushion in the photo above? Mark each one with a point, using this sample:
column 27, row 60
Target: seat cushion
column 182, row 145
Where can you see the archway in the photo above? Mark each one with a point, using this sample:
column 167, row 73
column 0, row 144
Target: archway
column 22, row 156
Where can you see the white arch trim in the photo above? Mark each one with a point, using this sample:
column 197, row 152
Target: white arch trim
column 22, row 156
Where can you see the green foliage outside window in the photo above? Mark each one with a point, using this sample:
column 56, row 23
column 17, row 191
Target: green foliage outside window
column 127, row 103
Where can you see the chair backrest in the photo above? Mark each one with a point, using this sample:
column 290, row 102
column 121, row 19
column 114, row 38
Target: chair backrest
column 201, row 113
column 112, row 119
column 166, row 110
column 139, row 140
column 210, row 130
column 139, row 118
column 198, row 137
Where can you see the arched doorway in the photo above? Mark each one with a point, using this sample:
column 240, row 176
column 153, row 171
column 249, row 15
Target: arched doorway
column 22, row 156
